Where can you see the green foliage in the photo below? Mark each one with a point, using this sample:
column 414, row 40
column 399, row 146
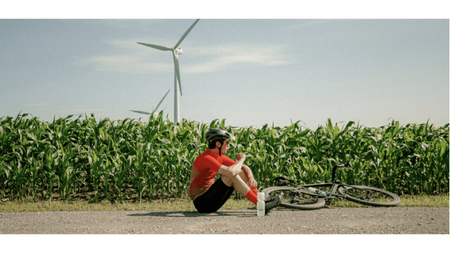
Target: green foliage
column 130, row 159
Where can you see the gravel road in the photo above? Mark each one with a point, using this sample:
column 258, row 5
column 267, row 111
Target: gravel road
column 397, row 220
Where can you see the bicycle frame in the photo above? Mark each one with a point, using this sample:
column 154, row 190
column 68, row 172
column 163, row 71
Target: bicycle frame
column 333, row 186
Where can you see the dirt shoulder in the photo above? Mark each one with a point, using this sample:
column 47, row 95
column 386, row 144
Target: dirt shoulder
column 397, row 220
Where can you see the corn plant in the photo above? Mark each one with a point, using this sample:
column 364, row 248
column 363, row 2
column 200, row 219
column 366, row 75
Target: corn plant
column 146, row 160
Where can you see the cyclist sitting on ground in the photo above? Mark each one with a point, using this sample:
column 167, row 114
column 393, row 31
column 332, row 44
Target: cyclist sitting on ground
column 209, row 196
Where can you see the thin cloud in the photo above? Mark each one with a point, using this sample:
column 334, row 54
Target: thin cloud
column 141, row 60
column 128, row 64
column 226, row 56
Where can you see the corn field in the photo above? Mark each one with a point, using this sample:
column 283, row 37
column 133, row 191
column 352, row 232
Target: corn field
column 73, row 158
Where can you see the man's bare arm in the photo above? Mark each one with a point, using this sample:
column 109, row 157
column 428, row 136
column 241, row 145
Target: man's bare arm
column 234, row 169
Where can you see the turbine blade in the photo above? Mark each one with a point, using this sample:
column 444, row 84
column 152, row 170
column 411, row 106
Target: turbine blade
column 177, row 71
column 186, row 33
column 161, row 101
column 141, row 112
column 156, row 46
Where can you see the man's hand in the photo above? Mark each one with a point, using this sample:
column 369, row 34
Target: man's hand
column 240, row 156
column 252, row 183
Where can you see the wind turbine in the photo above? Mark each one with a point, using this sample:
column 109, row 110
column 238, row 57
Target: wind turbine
column 148, row 113
column 177, row 83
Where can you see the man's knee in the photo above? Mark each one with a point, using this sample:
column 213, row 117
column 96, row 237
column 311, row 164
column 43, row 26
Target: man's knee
column 231, row 181
column 227, row 180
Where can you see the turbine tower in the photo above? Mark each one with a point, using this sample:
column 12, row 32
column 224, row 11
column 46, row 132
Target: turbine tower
column 177, row 83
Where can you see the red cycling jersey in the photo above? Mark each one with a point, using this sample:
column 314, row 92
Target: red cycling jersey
column 204, row 170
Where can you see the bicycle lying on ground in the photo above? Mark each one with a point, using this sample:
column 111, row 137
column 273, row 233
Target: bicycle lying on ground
column 315, row 196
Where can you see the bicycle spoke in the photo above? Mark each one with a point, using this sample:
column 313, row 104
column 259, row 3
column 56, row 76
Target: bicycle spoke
column 368, row 195
column 294, row 198
column 298, row 198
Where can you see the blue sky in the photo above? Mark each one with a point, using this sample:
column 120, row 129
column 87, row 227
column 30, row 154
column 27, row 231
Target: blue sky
column 249, row 71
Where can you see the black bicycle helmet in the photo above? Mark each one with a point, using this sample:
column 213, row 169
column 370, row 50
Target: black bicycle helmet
column 218, row 134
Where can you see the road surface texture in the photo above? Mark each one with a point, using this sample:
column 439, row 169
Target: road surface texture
column 372, row 220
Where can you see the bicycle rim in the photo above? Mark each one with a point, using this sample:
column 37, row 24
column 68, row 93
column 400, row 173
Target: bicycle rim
column 294, row 198
column 369, row 195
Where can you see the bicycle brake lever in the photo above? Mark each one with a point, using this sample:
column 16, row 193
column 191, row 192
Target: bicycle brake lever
column 282, row 181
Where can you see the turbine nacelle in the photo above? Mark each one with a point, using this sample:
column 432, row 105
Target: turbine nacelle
column 178, row 51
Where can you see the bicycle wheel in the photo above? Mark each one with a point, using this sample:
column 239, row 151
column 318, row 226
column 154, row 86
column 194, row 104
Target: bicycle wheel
column 369, row 195
column 295, row 198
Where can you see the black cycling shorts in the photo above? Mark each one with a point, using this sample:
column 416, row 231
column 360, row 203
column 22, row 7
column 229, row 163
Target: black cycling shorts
column 214, row 197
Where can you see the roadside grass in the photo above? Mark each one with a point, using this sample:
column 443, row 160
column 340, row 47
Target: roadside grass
column 406, row 201
column 187, row 205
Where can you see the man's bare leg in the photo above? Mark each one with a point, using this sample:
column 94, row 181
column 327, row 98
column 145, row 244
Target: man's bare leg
column 242, row 184
column 238, row 184
column 245, row 178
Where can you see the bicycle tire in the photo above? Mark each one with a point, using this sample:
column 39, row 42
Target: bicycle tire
column 290, row 201
column 353, row 193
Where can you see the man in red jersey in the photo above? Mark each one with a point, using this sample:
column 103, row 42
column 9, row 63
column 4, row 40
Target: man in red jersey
column 208, row 196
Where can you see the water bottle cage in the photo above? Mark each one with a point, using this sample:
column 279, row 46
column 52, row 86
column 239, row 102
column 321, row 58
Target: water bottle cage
column 319, row 193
